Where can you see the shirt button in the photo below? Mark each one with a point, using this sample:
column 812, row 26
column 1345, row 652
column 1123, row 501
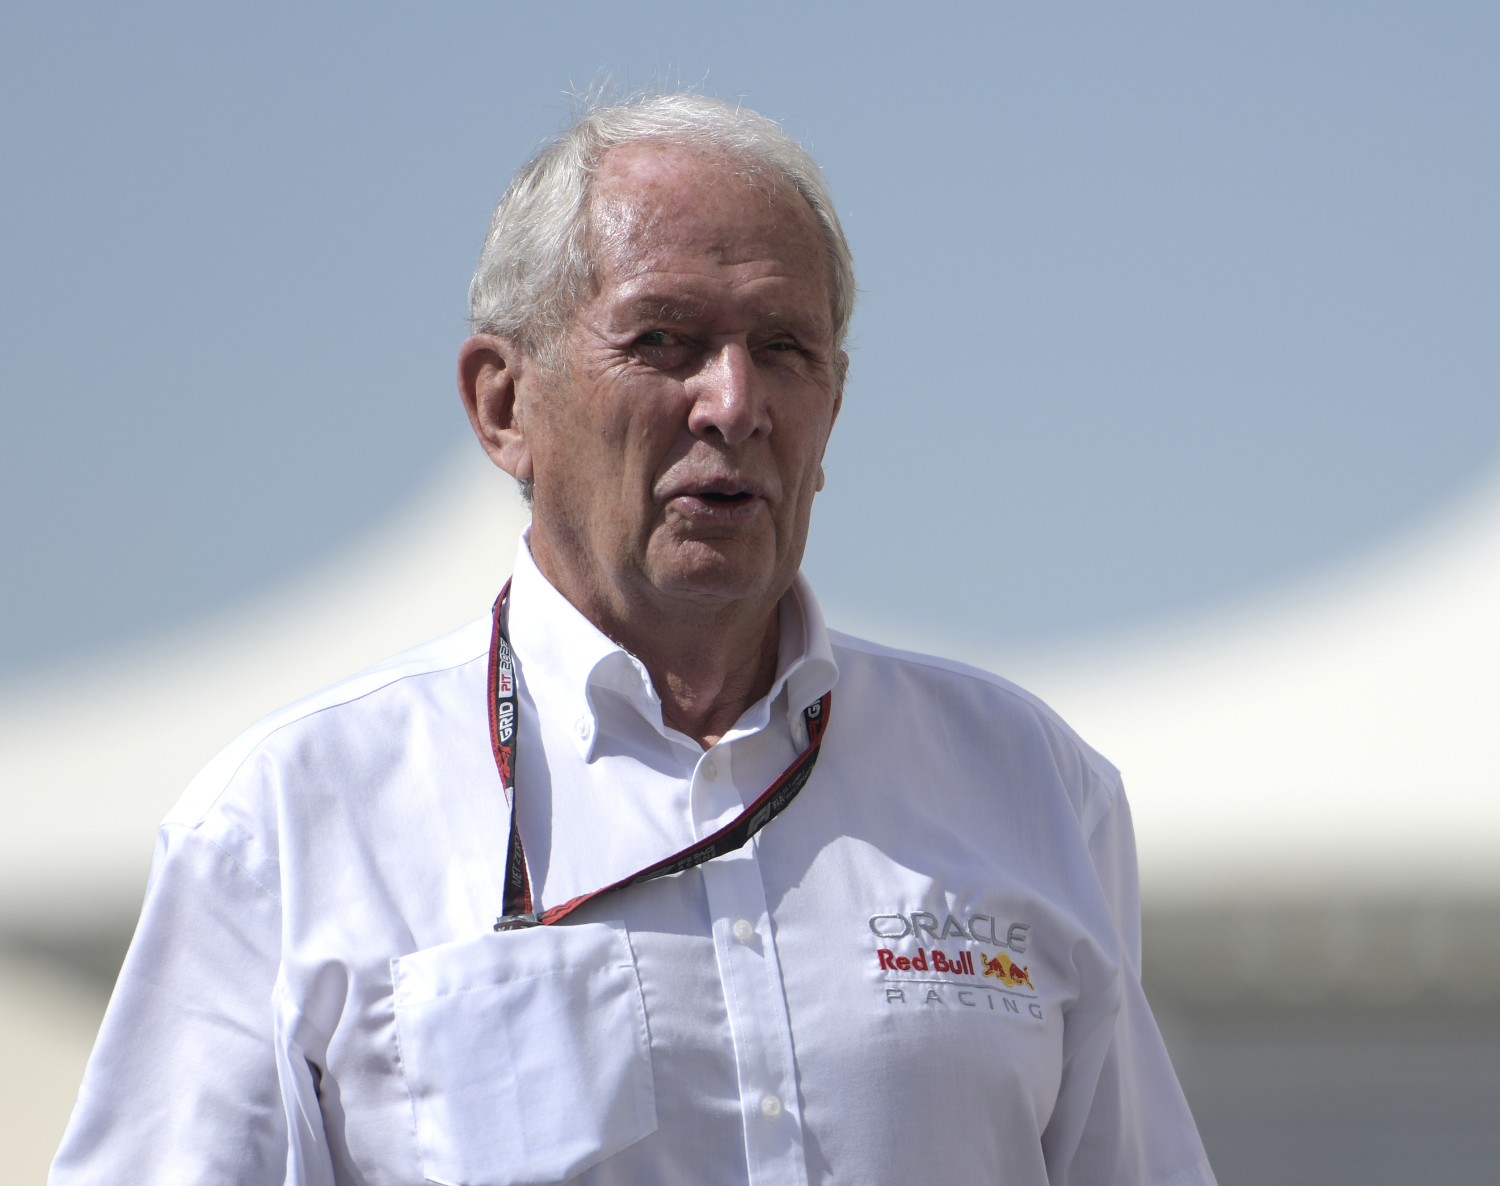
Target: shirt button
column 770, row 1107
column 710, row 768
column 584, row 728
column 744, row 932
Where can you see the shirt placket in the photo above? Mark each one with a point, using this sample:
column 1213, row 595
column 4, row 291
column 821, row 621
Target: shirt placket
column 753, row 996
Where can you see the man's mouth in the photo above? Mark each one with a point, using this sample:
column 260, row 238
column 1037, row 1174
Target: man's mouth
column 718, row 500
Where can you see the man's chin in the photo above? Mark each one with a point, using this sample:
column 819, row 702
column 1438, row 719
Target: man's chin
column 712, row 573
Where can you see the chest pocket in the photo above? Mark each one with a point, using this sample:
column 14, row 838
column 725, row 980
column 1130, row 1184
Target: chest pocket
column 526, row 1054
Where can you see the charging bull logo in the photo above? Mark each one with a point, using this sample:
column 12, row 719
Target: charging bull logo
column 1006, row 972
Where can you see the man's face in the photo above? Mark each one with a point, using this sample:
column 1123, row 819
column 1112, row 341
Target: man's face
column 676, row 447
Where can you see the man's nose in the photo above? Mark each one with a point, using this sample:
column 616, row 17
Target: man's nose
column 729, row 397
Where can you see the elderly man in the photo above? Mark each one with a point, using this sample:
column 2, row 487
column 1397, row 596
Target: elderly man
column 647, row 878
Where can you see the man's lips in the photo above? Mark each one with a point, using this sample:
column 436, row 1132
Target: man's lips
column 717, row 498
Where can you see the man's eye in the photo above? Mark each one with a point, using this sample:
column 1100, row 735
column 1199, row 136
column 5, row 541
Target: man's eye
column 782, row 346
column 662, row 349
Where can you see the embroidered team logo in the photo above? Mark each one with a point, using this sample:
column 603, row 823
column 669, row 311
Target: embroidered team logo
column 1006, row 972
column 962, row 976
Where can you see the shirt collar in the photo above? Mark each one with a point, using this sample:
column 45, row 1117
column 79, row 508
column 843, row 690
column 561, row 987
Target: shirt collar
column 568, row 663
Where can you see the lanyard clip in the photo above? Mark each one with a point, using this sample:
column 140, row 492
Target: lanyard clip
column 517, row 922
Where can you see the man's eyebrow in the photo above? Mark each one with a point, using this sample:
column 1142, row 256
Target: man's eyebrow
column 650, row 308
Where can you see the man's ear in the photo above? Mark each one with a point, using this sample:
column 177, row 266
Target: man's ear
column 489, row 369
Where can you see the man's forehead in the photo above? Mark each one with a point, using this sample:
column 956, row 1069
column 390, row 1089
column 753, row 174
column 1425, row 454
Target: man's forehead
column 670, row 224
column 641, row 188
column 652, row 195
column 647, row 164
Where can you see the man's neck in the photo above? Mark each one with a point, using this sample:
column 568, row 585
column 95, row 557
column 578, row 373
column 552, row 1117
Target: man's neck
column 708, row 679
column 709, row 658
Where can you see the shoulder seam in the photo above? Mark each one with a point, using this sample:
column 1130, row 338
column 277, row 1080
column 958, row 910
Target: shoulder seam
column 256, row 737
column 967, row 671
column 1100, row 770
column 938, row 663
column 192, row 830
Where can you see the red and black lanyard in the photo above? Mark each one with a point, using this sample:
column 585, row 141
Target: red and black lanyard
column 520, row 909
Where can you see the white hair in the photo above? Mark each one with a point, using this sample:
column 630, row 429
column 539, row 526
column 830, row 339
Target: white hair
column 535, row 266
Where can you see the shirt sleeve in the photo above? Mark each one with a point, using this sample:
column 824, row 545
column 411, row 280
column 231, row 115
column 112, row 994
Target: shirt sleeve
column 183, row 1084
column 1138, row 1128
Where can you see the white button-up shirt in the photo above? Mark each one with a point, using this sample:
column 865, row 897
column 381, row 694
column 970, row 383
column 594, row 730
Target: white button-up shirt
column 925, row 970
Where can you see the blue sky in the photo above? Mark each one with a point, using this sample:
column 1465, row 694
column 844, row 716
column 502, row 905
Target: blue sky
column 1160, row 305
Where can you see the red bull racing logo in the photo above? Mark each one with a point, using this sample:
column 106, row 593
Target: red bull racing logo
column 967, row 978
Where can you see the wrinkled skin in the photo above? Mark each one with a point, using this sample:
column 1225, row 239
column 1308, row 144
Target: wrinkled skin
column 676, row 448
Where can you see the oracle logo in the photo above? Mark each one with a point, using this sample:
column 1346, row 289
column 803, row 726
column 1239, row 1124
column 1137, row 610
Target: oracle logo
column 925, row 926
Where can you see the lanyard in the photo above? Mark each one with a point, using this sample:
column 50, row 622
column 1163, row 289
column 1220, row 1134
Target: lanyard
column 504, row 705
